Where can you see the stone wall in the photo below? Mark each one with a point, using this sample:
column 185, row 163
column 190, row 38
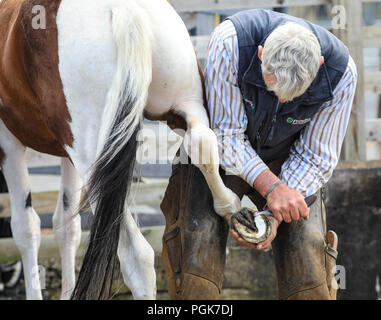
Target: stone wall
column 353, row 205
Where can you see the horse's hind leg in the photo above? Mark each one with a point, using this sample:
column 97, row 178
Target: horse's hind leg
column 67, row 224
column 200, row 143
column 25, row 223
column 136, row 258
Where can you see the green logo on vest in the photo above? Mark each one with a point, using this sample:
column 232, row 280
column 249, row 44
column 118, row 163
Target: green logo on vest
column 296, row 122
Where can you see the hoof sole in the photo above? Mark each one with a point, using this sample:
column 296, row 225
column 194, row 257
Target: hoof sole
column 252, row 227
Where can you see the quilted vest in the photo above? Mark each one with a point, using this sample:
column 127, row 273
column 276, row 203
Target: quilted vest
column 273, row 127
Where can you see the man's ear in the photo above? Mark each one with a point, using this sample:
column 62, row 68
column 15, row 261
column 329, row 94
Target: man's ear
column 260, row 50
column 321, row 60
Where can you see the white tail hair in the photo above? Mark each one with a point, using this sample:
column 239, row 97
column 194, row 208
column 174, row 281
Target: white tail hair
column 132, row 34
column 109, row 184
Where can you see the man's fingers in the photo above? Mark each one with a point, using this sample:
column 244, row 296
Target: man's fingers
column 286, row 216
column 304, row 211
column 241, row 241
column 294, row 213
column 261, row 246
column 277, row 215
column 265, row 244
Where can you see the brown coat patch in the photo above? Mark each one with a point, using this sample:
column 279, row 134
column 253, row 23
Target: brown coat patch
column 33, row 103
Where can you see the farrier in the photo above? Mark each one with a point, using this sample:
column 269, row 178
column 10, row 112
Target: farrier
column 279, row 93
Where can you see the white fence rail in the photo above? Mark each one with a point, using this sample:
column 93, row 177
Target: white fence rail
column 217, row 5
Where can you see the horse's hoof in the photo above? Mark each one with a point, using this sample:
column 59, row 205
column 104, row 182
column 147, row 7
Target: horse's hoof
column 251, row 226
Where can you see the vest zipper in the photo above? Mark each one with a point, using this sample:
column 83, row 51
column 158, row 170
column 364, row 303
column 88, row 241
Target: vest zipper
column 258, row 139
column 273, row 121
column 262, row 127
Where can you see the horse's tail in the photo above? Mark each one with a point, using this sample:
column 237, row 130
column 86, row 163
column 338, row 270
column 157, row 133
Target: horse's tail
column 112, row 172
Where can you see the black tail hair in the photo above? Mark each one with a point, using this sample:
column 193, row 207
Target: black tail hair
column 108, row 190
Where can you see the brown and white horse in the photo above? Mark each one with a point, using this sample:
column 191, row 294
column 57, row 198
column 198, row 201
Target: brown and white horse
column 76, row 86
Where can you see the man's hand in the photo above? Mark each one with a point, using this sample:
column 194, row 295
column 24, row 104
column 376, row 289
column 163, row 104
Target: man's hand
column 263, row 245
column 287, row 204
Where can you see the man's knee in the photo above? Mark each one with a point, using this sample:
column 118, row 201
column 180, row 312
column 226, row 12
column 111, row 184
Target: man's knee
column 299, row 258
column 304, row 259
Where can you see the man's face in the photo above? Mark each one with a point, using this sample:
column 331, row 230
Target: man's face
column 270, row 81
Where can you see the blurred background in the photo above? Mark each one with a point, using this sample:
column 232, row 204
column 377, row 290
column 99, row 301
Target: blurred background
column 352, row 197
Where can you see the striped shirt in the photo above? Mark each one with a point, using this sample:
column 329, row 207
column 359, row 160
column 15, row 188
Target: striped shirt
column 316, row 152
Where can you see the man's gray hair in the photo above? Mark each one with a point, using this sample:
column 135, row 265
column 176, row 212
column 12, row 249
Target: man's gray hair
column 292, row 54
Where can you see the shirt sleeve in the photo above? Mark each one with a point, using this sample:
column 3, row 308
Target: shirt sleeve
column 316, row 153
column 227, row 114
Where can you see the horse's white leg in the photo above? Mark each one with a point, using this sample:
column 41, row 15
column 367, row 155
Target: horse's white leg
column 200, row 144
column 67, row 224
column 136, row 258
column 25, row 223
column 135, row 254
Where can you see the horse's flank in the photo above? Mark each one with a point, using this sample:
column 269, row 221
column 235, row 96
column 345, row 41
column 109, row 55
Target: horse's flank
column 30, row 82
column 31, row 91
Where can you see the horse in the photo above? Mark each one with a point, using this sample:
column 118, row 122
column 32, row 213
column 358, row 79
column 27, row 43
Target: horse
column 76, row 80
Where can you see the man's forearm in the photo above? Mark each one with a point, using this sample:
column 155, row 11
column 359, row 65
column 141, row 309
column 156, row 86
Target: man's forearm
column 265, row 181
